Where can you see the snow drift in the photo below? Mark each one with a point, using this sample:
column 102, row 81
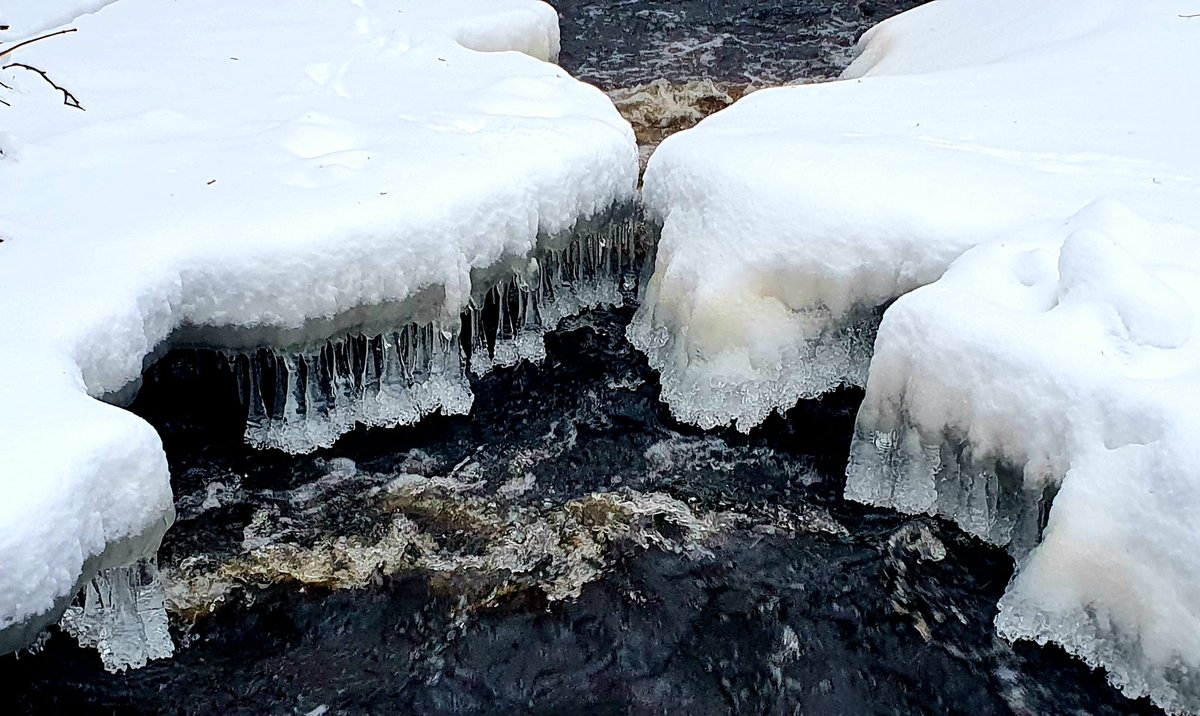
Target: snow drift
column 244, row 172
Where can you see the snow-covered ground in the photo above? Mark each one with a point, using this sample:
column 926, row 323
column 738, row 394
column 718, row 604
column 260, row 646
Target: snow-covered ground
column 1048, row 150
column 256, row 166
column 790, row 218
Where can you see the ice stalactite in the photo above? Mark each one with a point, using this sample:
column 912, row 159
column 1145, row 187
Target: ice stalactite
column 299, row 400
column 896, row 465
column 586, row 273
column 516, row 332
column 508, row 325
column 122, row 614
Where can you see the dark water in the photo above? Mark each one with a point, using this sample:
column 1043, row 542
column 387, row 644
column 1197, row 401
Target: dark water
column 618, row 43
column 798, row 602
column 566, row 548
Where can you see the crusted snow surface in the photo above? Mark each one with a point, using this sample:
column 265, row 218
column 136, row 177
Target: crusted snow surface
column 789, row 218
column 251, row 170
column 1063, row 364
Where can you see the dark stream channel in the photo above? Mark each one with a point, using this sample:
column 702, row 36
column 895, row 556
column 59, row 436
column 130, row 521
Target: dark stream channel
column 567, row 547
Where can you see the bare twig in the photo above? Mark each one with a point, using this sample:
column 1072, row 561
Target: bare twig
column 19, row 45
column 68, row 98
column 1192, row 15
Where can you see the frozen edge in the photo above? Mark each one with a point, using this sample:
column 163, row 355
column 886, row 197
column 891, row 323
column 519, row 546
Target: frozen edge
column 523, row 344
column 837, row 355
column 305, row 396
column 895, row 465
column 1087, row 635
column 121, row 553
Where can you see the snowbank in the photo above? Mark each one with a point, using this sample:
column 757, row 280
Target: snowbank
column 1061, row 362
column 256, row 166
column 1047, row 149
column 790, row 219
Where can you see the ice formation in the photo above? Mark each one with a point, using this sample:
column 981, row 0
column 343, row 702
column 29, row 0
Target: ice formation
column 790, row 219
column 248, row 172
column 1046, row 388
column 123, row 616
column 298, row 400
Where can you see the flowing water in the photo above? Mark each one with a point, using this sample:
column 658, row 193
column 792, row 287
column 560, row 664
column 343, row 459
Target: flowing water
column 566, row 547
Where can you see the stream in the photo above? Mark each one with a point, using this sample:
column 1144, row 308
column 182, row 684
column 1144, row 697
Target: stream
column 567, row 547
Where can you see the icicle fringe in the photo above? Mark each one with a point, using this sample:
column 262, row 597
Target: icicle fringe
column 302, row 400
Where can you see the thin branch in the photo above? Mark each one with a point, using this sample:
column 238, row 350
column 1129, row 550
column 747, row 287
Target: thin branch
column 68, row 98
column 1192, row 15
column 19, row 45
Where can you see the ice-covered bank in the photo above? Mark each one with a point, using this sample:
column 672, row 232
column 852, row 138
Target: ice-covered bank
column 1062, row 362
column 791, row 218
column 266, row 172
column 1048, row 150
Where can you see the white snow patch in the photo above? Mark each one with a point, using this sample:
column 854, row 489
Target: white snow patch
column 28, row 18
column 790, row 218
column 249, row 165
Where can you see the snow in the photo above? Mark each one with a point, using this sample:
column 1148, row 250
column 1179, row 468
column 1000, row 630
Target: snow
column 1032, row 165
column 27, row 19
column 1063, row 362
column 789, row 220
column 249, row 170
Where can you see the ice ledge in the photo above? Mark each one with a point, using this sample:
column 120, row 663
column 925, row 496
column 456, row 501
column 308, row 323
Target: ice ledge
column 894, row 464
column 1077, row 588
column 303, row 398
column 1091, row 635
column 235, row 207
column 1058, row 365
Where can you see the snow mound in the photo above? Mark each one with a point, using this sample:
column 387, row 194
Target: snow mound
column 247, row 171
column 1061, row 364
column 790, row 219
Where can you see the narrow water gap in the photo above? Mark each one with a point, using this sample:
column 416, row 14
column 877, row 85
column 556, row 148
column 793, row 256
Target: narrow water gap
column 567, row 546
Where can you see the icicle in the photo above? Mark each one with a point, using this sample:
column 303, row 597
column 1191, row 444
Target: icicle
column 256, row 415
column 123, row 616
column 402, row 375
column 903, row 469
